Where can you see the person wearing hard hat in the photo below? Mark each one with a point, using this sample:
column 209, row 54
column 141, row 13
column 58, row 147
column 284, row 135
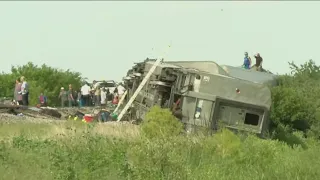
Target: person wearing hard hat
column 259, row 60
column 247, row 61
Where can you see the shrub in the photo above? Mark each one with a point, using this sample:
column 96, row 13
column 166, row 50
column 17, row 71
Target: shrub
column 160, row 122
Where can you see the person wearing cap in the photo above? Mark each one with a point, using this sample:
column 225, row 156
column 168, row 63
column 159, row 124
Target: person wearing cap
column 259, row 60
column 247, row 61
column 63, row 96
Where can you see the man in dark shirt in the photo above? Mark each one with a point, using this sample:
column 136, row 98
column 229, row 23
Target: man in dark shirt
column 259, row 60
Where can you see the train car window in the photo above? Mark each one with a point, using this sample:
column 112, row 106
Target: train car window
column 251, row 119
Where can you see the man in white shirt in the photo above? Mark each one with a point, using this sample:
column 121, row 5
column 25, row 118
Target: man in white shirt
column 121, row 90
column 24, row 91
column 85, row 92
column 103, row 96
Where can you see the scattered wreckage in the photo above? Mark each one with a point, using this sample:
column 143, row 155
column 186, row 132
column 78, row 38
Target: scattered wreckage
column 34, row 112
column 87, row 114
column 201, row 94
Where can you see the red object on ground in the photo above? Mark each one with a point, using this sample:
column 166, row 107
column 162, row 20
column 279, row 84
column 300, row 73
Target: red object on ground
column 88, row 118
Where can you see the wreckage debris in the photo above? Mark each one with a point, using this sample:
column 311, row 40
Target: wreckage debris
column 30, row 111
column 51, row 112
column 86, row 114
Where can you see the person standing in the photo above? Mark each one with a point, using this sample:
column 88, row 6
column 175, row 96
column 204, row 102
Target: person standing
column 103, row 97
column 259, row 60
column 85, row 93
column 63, row 96
column 121, row 90
column 17, row 96
column 70, row 96
column 79, row 99
column 24, row 91
column 97, row 95
column 109, row 96
column 247, row 61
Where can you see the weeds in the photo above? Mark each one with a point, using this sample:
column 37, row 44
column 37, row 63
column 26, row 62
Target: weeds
column 91, row 153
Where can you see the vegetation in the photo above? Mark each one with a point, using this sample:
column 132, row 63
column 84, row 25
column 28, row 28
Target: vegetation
column 43, row 79
column 156, row 150
column 296, row 102
column 74, row 150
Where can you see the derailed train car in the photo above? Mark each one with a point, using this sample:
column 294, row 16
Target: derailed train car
column 204, row 94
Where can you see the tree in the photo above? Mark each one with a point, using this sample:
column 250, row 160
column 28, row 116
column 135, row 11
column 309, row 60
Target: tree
column 43, row 78
column 296, row 101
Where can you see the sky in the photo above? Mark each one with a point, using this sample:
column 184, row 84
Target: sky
column 103, row 39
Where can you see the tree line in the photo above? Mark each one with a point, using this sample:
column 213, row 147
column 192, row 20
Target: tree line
column 41, row 79
column 295, row 101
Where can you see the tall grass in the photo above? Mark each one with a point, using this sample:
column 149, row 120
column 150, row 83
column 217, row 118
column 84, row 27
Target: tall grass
column 77, row 151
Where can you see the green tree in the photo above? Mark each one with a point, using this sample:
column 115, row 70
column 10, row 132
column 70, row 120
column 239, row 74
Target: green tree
column 296, row 101
column 42, row 78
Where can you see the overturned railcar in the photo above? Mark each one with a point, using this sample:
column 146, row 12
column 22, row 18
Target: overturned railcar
column 209, row 95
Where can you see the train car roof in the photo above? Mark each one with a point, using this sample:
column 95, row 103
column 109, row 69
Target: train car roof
column 251, row 75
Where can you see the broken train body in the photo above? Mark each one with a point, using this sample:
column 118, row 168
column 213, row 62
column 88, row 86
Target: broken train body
column 210, row 95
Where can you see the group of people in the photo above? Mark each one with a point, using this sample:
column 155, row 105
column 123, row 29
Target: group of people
column 247, row 63
column 68, row 97
column 21, row 92
column 86, row 96
column 90, row 95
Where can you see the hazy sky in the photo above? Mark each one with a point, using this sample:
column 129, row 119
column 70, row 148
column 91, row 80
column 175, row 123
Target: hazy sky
column 103, row 39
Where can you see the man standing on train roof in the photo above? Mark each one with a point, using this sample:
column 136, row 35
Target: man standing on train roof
column 247, row 61
column 259, row 60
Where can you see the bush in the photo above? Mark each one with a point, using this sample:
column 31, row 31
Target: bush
column 160, row 122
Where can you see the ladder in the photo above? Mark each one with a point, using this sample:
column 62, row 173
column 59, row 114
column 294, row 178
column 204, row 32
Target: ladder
column 144, row 81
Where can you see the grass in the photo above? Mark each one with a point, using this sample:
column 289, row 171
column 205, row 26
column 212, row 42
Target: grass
column 73, row 150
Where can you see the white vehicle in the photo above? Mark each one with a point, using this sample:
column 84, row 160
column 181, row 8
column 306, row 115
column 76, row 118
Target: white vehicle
column 110, row 84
